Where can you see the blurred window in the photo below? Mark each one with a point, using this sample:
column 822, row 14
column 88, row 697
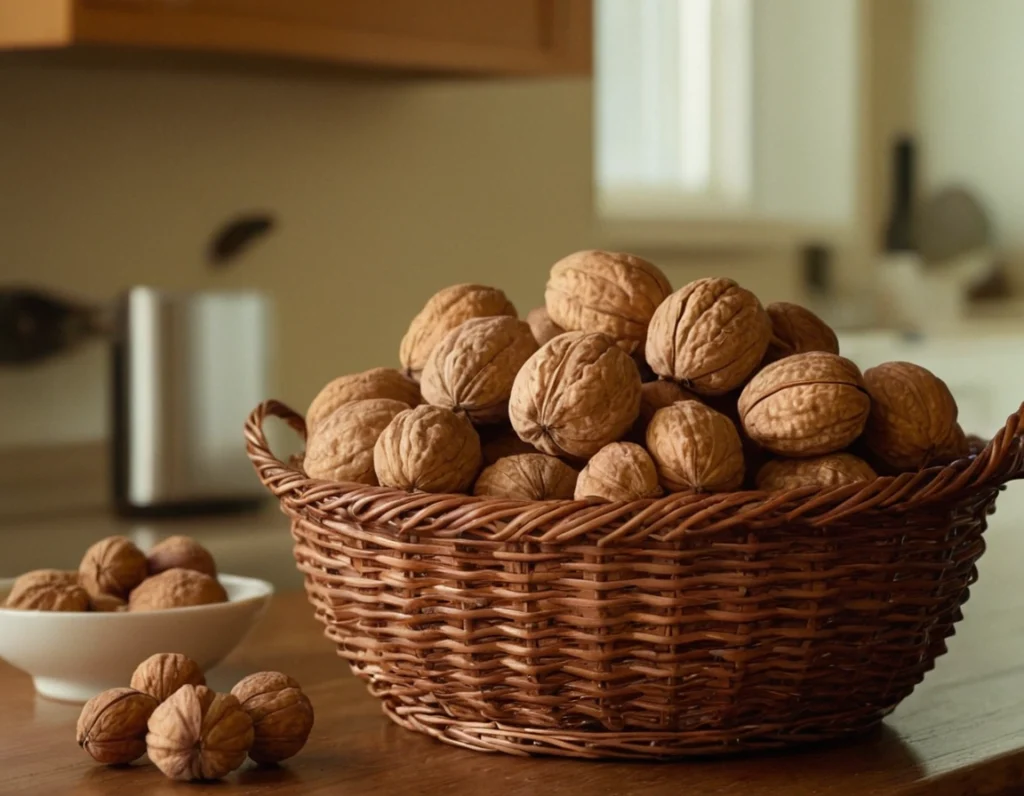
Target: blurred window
column 727, row 109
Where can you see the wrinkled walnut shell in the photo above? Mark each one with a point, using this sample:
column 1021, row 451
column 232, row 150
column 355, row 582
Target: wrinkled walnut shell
column 575, row 395
column 112, row 725
column 340, row 448
column 797, row 330
column 913, row 416
column 528, row 476
column 176, row 588
column 107, row 603
column 113, row 566
column 620, row 471
column 542, row 326
column 428, row 449
column 444, row 311
column 710, row 336
column 497, row 442
column 162, row 674
column 805, row 405
column 472, row 368
column 834, row 469
column 655, row 395
column 608, row 293
column 183, row 552
column 375, row 383
column 695, row 447
column 282, row 716
column 47, row 590
column 197, row 734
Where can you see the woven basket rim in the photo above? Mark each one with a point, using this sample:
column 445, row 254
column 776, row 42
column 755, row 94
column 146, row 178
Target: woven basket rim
column 1000, row 461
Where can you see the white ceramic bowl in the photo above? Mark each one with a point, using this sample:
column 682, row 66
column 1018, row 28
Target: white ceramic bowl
column 74, row 656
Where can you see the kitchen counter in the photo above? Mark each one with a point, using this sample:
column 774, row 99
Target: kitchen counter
column 961, row 732
column 255, row 544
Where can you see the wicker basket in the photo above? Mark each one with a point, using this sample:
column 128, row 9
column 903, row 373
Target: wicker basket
column 691, row 624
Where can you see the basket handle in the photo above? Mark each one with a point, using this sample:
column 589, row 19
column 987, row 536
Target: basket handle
column 275, row 474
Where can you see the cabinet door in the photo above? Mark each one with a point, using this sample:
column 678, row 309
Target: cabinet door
column 484, row 36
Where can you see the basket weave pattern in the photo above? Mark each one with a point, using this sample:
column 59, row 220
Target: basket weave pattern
column 691, row 624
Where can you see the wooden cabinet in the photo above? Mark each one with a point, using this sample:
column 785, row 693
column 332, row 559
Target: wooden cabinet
column 468, row 36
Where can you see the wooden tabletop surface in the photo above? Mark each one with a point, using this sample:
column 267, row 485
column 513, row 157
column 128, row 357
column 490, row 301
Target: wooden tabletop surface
column 961, row 732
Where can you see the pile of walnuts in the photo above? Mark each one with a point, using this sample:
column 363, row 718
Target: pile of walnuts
column 115, row 575
column 189, row 731
column 619, row 388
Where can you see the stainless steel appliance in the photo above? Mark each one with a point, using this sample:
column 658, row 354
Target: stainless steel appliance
column 187, row 370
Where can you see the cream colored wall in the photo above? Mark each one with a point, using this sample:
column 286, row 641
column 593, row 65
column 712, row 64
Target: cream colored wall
column 385, row 189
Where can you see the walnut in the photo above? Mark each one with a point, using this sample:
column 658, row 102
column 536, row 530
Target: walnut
column 48, row 590
column 340, row 448
column 445, row 310
column 497, row 442
column 834, row 469
column 575, row 395
column 913, row 415
column 528, row 476
column 112, row 725
column 797, row 330
column 113, row 566
column 181, row 551
column 106, row 603
column 542, row 326
column 709, row 336
column 955, row 447
column 162, row 674
column 607, row 292
column 472, row 368
column 176, row 588
column 695, row 447
column 805, row 405
column 430, row 449
column 282, row 716
column 198, row 734
column 655, row 395
column 619, row 471
column 376, row 383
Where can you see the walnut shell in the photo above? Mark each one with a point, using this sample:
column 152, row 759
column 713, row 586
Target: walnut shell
column 113, row 566
column 198, row 734
column 955, row 447
column 497, row 442
column 472, row 368
column 834, row 469
column 176, row 588
column 106, row 603
column 575, row 395
column 797, row 330
column 695, row 447
column 162, row 674
column 805, row 405
column 913, row 415
column 542, row 326
column 47, row 590
column 282, row 716
column 619, row 471
column 375, row 383
column 655, row 395
column 709, row 336
column 445, row 310
column 112, row 725
column 429, row 449
column 611, row 293
column 183, row 552
column 340, row 448
column 528, row 476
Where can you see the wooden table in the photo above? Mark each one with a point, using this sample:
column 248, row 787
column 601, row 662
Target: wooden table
column 961, row 732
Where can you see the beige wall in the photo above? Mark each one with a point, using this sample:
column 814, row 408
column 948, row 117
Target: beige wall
column 385, row 191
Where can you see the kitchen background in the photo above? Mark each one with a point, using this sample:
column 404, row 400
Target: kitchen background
column 118, row 165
